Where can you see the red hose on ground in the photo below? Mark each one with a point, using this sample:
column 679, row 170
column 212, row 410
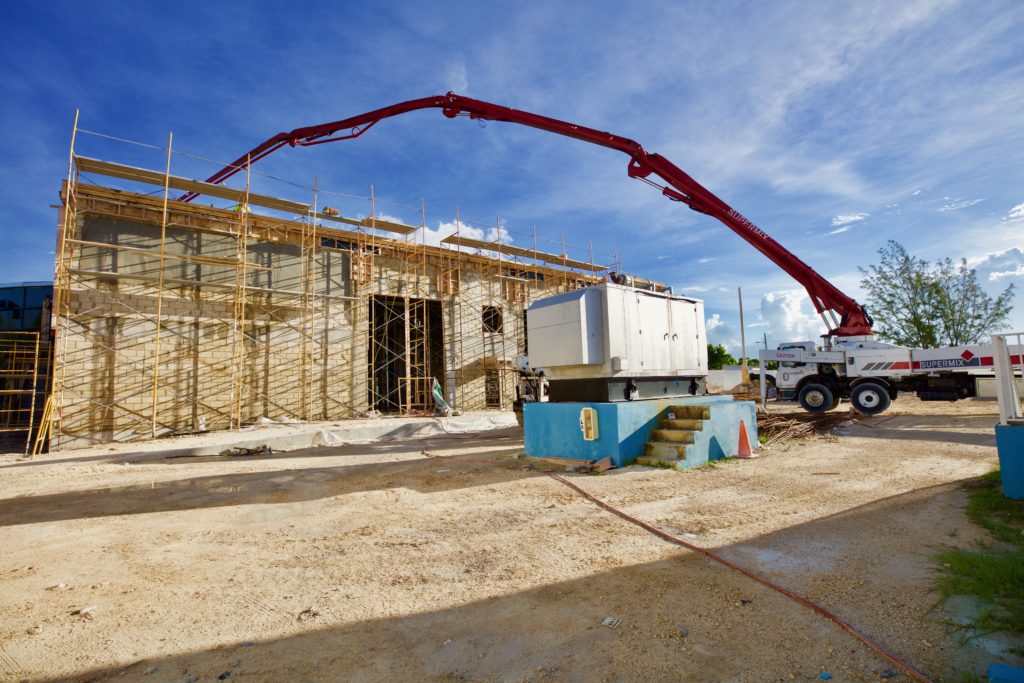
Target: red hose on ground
column 846, row 626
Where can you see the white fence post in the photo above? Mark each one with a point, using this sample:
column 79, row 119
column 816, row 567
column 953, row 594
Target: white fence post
column 1009, row 400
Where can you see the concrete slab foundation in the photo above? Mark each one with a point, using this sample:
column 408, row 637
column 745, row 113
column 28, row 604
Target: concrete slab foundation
column 629, row 430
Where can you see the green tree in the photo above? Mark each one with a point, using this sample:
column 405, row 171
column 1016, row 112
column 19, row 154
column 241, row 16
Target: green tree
column 719, row 356
column 917, row 304
column 966, row 313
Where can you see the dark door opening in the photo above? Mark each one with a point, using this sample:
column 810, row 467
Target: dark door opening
column 405, row 354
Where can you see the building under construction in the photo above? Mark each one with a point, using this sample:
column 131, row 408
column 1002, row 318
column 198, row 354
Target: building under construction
column 173, row 317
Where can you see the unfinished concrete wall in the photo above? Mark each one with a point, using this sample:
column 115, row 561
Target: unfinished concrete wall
column 252, row 318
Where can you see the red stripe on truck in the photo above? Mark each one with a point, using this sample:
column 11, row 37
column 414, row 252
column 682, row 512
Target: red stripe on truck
column 903, row 365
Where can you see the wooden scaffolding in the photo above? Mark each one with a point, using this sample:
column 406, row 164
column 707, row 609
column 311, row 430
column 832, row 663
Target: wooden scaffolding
column 173, row 317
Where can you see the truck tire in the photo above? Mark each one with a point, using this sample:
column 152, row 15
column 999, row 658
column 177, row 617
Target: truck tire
column 816, row 398
column 870, row 398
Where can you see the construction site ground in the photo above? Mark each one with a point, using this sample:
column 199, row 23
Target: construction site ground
column 441, row 557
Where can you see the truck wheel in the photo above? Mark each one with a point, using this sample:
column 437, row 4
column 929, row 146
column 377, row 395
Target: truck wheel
column 816, row 398
column 870, row 398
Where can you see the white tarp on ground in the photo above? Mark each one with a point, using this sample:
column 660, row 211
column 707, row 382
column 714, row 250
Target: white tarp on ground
column 293, row 435
column 409, row 428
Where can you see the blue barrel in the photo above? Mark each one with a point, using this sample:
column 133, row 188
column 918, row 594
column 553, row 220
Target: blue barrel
column 1010, row 444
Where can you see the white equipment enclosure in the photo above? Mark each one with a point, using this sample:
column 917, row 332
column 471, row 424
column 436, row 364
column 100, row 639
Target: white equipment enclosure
column 613, row 342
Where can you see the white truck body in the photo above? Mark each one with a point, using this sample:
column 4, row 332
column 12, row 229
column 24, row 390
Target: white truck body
column 935, row 374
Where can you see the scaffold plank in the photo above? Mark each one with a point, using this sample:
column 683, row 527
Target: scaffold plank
column 141, row 175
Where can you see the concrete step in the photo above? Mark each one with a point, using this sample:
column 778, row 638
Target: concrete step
column 692, row 425
column 656, row 462
column 665, row 450
column 678, row 435
column 690, row 412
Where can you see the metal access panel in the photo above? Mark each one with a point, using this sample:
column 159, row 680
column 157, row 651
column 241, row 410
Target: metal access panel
column 567, row 329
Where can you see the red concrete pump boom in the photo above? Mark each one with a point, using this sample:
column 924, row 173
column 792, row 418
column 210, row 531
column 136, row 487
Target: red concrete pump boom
column 848, row 318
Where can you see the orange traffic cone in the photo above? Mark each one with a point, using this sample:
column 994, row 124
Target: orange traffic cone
column 743, row 449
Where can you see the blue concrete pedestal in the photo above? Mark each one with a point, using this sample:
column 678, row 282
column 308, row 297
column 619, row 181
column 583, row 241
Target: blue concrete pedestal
column 552, row 430
column 1010, row 444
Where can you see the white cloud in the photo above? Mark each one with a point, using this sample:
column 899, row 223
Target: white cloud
column 499, row 235
column 715, row 322
column 433, row 237
column 1016, row 213
column 391, row 218
column 839, row 230
column 999, row 275
column 997, row 270
column 960, row 204
column 706, row 259
column 790, row 316
column 1000, row 265
column 847, row 218
column 721, row 332
column 456, row 78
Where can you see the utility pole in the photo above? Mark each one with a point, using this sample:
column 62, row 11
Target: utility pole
column 765, row 342
column 744, row 371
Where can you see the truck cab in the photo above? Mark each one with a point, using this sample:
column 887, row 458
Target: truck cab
column 792, row 367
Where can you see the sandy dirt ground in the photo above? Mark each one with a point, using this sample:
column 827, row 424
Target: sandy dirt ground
column 444, row 559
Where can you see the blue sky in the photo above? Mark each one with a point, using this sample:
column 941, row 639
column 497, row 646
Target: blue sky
column 832, row 126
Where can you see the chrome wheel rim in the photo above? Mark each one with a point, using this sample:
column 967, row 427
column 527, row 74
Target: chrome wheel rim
column 869, row 399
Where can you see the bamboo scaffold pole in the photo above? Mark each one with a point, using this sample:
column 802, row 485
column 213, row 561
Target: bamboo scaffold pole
column 32, row 401
column 460, row 335
column 505, row 325
column 372, row 314
column 308, row 312
column 565, row 268
column 160, row 287
column 61, row 292
column 373, row 237
column 238, row 324
column 535, row 259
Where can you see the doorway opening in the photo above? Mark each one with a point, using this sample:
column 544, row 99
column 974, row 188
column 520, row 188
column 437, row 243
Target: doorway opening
column 405, row 354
